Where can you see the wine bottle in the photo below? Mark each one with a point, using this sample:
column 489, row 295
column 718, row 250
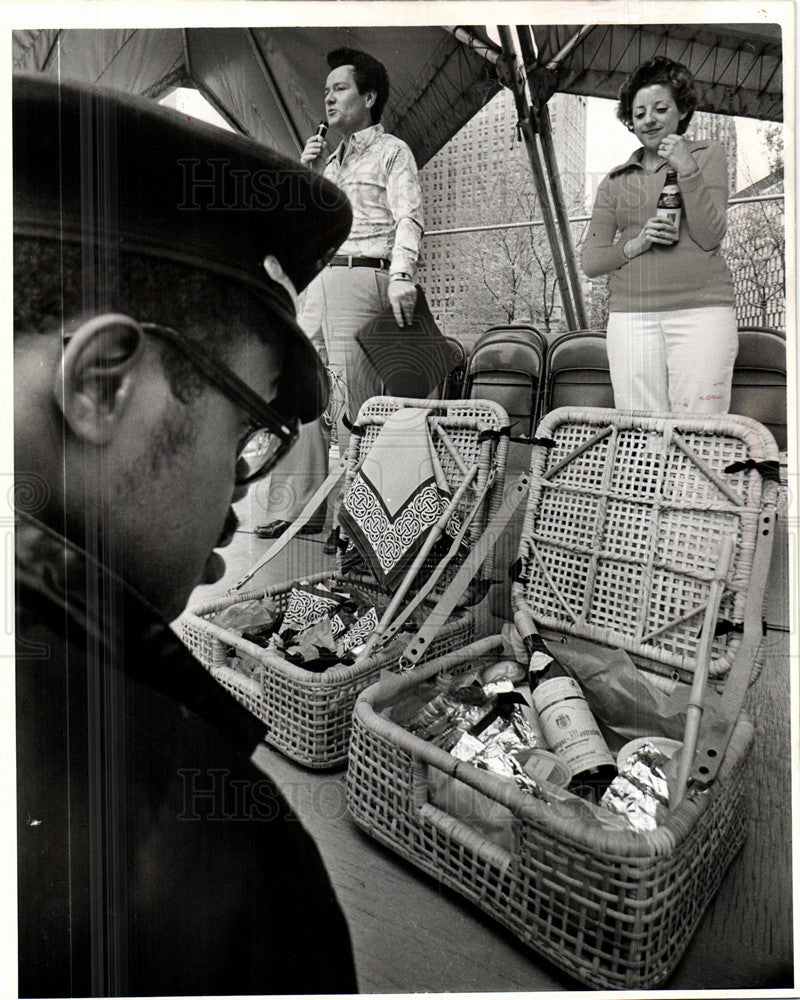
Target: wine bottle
column 670, row 202
column 569, row 727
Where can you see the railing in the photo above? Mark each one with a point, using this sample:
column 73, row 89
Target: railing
column 528, row 223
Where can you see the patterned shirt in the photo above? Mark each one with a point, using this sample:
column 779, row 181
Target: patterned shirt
column 378, row 174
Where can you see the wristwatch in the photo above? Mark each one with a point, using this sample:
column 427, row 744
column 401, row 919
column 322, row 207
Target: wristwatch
column 400, row 276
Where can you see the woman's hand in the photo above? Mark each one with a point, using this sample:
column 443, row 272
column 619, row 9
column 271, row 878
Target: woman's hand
column 655, row 230
column 675, row 150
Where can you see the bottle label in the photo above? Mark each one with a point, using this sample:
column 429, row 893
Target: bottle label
column 568, row 724
column 670, row 214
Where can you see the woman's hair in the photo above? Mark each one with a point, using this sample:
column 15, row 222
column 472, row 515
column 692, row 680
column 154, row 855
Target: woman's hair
column 668, row 73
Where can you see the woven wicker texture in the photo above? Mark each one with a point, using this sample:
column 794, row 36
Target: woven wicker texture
column 621, row 537
column 307, row 714
column 625, row 518
column 465, row 432
column 614, row 910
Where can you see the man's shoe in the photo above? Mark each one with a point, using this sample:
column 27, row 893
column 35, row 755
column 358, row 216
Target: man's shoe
column 275, row 528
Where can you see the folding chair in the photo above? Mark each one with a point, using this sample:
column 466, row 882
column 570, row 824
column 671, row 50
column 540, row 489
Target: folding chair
column 577, row 371
column 759, row 379
column 507, row 365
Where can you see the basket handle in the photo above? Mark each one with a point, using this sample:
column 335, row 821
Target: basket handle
column 299, row 522
column 715, row 733
column 455, row 829
column 452, row 594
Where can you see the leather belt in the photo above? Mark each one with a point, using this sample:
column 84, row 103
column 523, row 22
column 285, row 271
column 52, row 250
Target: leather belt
column 344, row 260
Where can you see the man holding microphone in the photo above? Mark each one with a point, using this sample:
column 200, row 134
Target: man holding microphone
column 374, row 269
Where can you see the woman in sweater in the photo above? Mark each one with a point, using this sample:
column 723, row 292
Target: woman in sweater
column 672, row 337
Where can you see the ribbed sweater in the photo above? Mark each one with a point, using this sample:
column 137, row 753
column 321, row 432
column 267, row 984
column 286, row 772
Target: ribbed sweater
column 687, row 275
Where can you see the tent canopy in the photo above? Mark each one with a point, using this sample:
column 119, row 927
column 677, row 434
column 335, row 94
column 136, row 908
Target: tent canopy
column 267, row 82
column 737, row 67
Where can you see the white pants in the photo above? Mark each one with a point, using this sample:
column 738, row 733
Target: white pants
column 679, row 361
column 338, row 303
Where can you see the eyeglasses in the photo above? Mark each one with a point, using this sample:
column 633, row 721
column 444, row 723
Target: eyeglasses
column 269, row 435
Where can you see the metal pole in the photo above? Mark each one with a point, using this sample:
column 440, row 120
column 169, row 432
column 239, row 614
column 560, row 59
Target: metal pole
column 548, row 148
column 496, row 227
column 468, row 38
column 565, row 49
column 535, row 159
column 553, row 176
column 572, row 220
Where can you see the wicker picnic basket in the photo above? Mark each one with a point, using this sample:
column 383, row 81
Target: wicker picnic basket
column 308, row 715
column 625, row 517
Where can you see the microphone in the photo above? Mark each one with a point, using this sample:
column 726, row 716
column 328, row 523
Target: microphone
column 307, row 159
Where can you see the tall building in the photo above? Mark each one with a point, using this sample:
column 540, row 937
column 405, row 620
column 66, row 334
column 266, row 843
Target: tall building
column 722, row 128
column 482, row 177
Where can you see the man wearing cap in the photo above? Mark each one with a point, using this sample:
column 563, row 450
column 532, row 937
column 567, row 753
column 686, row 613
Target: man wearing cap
column 158, row 372
column 372, row 272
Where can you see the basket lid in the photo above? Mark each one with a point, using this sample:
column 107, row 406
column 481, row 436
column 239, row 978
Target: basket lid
column 624, row 523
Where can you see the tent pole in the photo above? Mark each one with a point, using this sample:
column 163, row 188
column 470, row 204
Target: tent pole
column 515, row 83
column 553, row 173
column 565, row 49
column 551, row 163
column 471, row 41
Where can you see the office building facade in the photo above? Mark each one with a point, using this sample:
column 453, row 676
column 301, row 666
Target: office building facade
column 482, row 178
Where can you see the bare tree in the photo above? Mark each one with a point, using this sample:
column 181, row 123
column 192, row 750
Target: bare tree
column 755, row 250
column 507, row 275
column 755, row 244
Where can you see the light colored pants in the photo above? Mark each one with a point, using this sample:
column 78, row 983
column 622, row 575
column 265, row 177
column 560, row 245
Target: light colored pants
column 337, row 304
column 679, row 361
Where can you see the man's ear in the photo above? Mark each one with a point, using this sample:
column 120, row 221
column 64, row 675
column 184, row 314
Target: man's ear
column 94, row 380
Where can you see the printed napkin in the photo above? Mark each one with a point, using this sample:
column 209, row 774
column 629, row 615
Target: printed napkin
column 397, row 496
column 308, row 605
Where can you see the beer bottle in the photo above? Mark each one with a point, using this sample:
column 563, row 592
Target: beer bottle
column 670, row 202
column 569, row 727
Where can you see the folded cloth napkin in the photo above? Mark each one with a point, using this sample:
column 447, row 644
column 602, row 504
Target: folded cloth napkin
column 308, row 605
column 358, row 632
column 397, row 496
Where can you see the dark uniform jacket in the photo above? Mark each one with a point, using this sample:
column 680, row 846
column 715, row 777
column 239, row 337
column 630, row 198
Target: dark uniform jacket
column 154, row 858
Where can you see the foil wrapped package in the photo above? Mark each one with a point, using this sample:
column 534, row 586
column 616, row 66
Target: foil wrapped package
column 247, row 616
column 464, row 705
column 494, row 747
column 442, row 719
column 640, row 792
